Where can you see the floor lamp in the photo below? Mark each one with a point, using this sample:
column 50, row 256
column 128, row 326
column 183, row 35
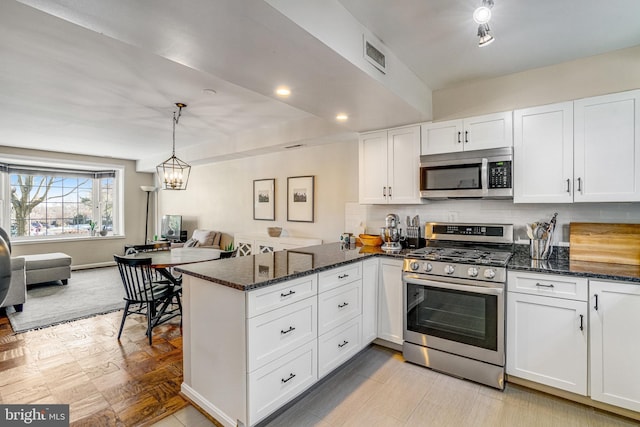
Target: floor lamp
column 148, row 189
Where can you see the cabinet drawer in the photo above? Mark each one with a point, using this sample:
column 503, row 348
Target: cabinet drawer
column 339, row 345
column 575, row 288
column 275, row 384
column 338, row 276
column 276, row 296
column 276, row 333
column 339, row 305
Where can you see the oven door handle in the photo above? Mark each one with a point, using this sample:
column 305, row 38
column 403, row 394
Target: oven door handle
column 413, row 279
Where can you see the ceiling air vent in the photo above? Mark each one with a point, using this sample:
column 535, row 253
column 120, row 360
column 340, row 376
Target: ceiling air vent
column 374, row 55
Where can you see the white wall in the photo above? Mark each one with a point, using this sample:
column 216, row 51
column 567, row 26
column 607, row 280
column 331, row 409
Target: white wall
column 219, row 196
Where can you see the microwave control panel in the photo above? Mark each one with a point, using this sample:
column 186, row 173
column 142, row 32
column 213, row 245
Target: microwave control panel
column 500, row 174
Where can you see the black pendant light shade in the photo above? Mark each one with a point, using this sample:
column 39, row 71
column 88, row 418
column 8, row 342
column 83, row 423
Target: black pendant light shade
column 174, row 173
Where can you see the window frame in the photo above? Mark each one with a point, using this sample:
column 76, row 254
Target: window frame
column 40, row 162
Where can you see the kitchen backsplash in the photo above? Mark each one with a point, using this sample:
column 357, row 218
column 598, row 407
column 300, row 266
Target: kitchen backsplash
column 371, row 217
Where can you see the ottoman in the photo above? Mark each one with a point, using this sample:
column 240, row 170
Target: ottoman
column 49, row 267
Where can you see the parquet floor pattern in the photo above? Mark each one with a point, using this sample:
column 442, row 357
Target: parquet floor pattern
column 106, row 382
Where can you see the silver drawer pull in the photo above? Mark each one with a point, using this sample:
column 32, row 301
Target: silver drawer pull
column 343, row 276
column 291, row 329
column 544, row 286
column 291, row 376
column 343, row 305
column 344, row 342
column 287, row 294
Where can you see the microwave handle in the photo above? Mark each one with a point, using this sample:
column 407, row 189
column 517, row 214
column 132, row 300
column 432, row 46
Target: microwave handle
column 484, row 176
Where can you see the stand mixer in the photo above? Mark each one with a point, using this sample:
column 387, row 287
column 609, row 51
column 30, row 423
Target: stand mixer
column 390, row 233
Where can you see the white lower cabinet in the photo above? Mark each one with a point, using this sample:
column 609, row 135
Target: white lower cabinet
column 390, row 317
column 615, row 343
column 547, row 341
column 276, row 383
column 547, row 330
column 339, row 345
column 339, row 316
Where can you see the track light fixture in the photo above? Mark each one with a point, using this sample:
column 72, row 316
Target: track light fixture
column 481, row 16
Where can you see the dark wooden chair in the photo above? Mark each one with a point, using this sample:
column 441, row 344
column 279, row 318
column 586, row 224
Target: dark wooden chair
column 157, row 300
column 154, row 247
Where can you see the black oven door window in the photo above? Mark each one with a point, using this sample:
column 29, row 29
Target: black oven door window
column 464, row 317
column 461, row 177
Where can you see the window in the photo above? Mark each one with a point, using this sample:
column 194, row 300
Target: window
column 51, row 203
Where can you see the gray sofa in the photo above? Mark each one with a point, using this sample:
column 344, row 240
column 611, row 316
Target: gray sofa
column 17, row 294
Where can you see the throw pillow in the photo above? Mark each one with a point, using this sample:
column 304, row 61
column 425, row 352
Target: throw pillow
column 216, row 239
column 191, row 243
column 205, row 237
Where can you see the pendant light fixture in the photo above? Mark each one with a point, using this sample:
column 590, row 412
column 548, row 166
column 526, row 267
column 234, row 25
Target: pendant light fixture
column 482, row 15
column 173, row 173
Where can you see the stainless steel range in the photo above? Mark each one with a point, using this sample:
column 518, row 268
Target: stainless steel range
column 454, row 291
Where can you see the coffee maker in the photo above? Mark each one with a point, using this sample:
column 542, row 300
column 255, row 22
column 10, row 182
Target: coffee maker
column 391, row 233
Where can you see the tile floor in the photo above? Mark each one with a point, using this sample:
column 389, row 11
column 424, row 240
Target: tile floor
column 377, row 388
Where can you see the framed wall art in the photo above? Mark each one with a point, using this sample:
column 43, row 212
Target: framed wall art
column 264, row 199
column 300, row 198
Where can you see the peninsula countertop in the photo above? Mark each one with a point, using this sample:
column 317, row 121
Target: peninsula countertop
column 255, row 271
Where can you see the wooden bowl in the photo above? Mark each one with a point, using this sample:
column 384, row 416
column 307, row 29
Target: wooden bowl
column 274, row 231
column 370, row 239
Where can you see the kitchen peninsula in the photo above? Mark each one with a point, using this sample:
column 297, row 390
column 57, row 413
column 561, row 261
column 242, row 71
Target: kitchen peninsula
column 259, row 330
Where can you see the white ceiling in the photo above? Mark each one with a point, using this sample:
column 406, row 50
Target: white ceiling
column 101, row 77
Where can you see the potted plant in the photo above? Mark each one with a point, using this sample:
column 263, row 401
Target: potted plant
column 92, row 227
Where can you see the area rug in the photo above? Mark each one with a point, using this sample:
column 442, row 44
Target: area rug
column 88, row 293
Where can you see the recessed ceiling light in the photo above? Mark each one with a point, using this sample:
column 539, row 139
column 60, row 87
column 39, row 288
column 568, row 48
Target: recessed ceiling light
column 283, row 91
column 342, row 117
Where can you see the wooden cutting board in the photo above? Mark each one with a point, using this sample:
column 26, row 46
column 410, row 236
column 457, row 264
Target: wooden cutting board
column 601, row 242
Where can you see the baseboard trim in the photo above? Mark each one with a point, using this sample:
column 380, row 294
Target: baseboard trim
column 585, row 400
column 94, row 265
column 204, row 406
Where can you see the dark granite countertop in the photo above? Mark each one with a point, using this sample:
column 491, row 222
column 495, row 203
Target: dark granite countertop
column 255, row 271
column 559, row 263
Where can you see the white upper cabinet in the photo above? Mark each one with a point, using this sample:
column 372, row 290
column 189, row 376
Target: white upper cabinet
column 473, row 133
column 543, row 154
column 582, row 151
column 390, row 166
column 607, row 148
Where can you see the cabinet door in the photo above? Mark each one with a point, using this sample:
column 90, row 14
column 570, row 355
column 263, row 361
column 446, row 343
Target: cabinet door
column 488, row 131
column 615, row 343
column 547, row 341
column 607, row 148
column 369, row 300
column 543, row 154
column 390, row 316
column 373, row 168
column 403, row 185
column 442, row 137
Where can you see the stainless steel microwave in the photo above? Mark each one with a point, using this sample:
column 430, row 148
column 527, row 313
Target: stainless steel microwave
column 486, row 174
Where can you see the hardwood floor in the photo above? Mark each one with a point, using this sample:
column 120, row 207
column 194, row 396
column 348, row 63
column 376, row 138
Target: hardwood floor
column 106, row 382
column 129, row 383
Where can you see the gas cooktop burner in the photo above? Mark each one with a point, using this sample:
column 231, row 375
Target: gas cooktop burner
column 465, row 256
